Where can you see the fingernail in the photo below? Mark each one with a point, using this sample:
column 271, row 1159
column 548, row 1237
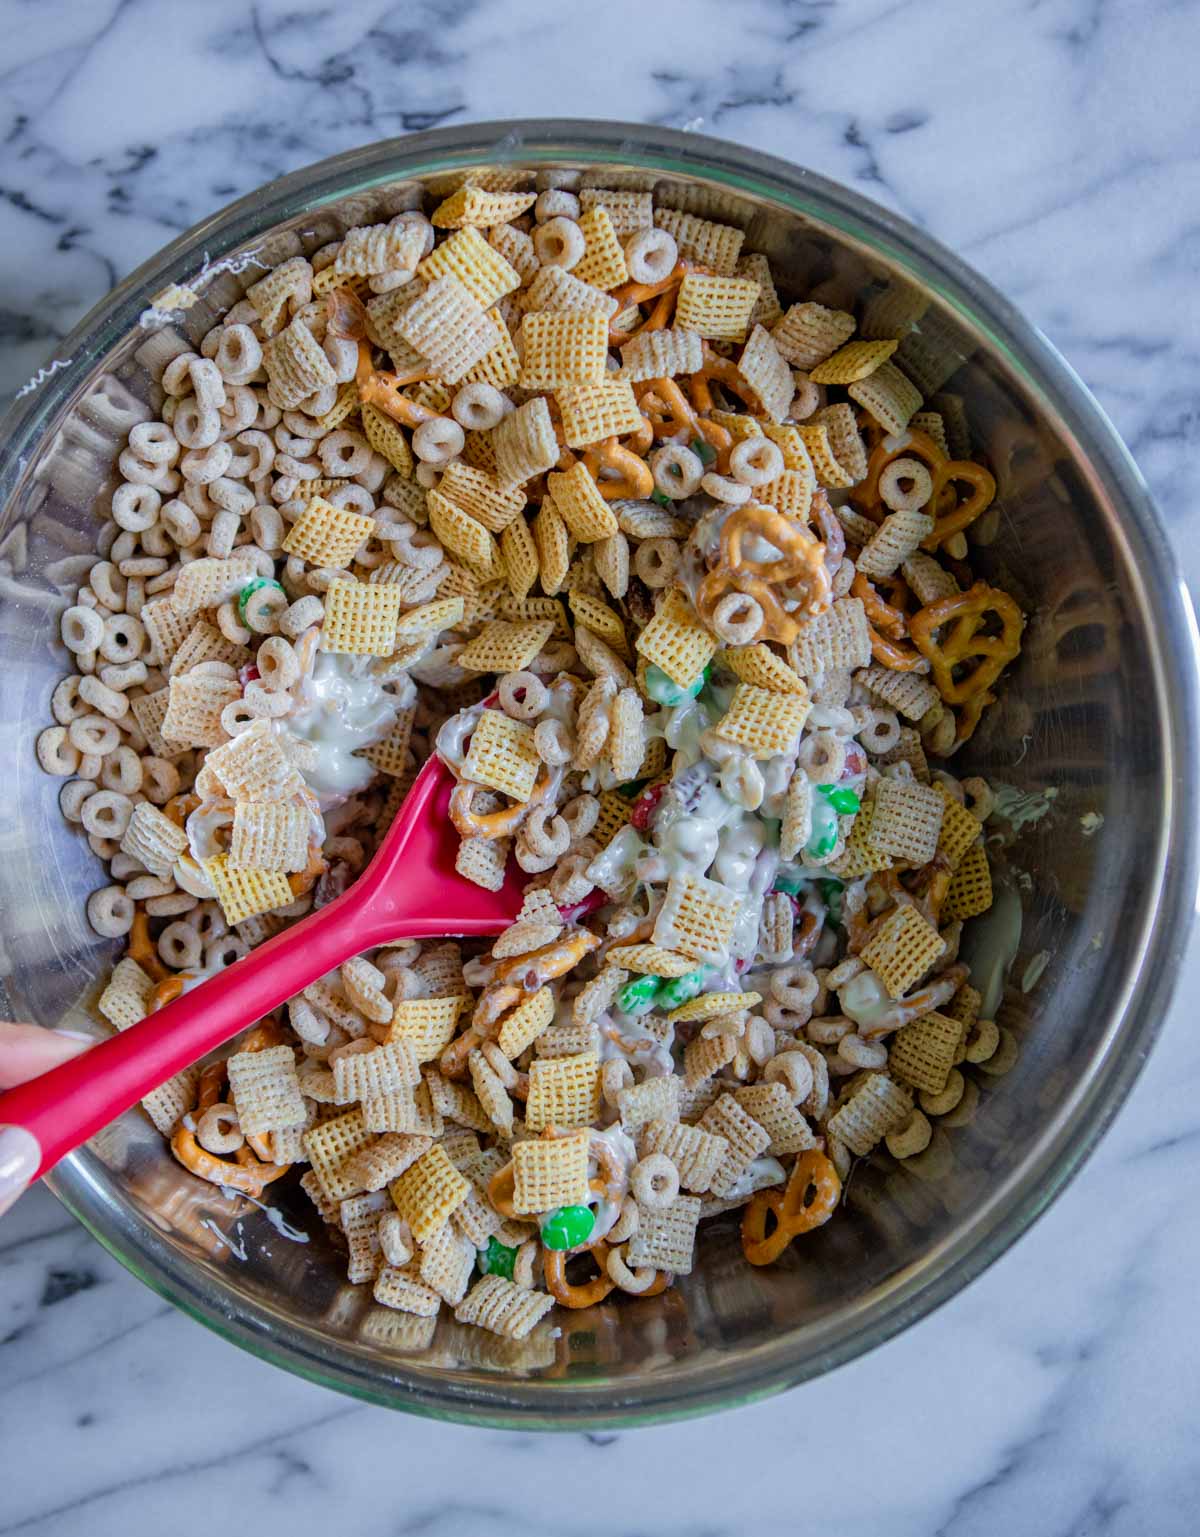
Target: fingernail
column 74, row 1035
column 19, row 1159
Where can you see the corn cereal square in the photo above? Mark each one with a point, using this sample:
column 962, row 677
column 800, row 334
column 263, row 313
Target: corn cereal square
column 360, row 618
column 578, row 501
column 550, row 1173
column 244, row 893
column 906, row 820
column 696, row 918
column 593, row 412
column 526, row 1022
column 970, row 889
column 902, row 949
column 603, row 261
column 677, row 642
column 563, row 347
column 763, row 721
column 716, row 307
column 477, row 265
column 265, row 1090
column 563, row 1091
column 324, row 535
column 427, row 1193
column 504, row 647
column 502, row 755
column 923, row 1052
column 332, row 1147
column 426, row 1025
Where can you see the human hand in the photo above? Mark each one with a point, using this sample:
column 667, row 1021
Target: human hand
column 25, row 1052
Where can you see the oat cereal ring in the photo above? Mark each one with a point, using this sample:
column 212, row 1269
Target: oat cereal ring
column 437, row 441
column 551, row 742
column 651, row 255
column 636, row 1282
column 654, row 1182
column 56, row 753
column 541, row 841
column 110, row 912
column 794, row 1071
column 905, row 485
column 479, row 407
column 559, row 242
column 580, row 816
column 737, row 619
column 792, row 1216
column 218, row 1130
column 677, row 471
column 656, row 561
column 755, row 461
column 522, row 695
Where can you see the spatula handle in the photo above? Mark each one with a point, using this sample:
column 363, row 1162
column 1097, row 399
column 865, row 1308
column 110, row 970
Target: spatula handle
column 67, row 1105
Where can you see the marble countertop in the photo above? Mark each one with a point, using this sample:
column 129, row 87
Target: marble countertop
column 1054, row 144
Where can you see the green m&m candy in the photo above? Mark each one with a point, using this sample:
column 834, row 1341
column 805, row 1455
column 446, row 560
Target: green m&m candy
column 679, row 989
column 664, row 690
column 637, row 996
column 497, row 1259
column 568, row 1227
column 844, row 802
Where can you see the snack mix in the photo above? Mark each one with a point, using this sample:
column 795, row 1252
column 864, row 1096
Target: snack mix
column 675, row 579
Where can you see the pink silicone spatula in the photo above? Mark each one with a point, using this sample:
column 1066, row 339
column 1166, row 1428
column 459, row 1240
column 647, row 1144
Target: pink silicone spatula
column 410, row 890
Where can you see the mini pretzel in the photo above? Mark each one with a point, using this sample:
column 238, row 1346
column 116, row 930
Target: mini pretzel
column 813, row 1172
column 501, row 1188
column 630, row 478
column 883, row 616
column 554, row 960
column 671, row 413
column 965, row 612
column 554, row 1268
column 245, row 1171
column 387, row 392
column 947, row 524
column 167, row 991
column 307, row 878
column 968, row 717
column 801, row 563
column 180, row 807
column 724, row 371
column 142, row 949
column 909, row 445
column 496, row 824
column 250, row 1176
column 893, row 653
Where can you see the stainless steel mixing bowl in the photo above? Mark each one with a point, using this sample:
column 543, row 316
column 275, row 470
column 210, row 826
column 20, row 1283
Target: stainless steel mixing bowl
column 1102, row 708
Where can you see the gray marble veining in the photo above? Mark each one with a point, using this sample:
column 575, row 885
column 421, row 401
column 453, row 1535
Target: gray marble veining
column 1056, row 145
